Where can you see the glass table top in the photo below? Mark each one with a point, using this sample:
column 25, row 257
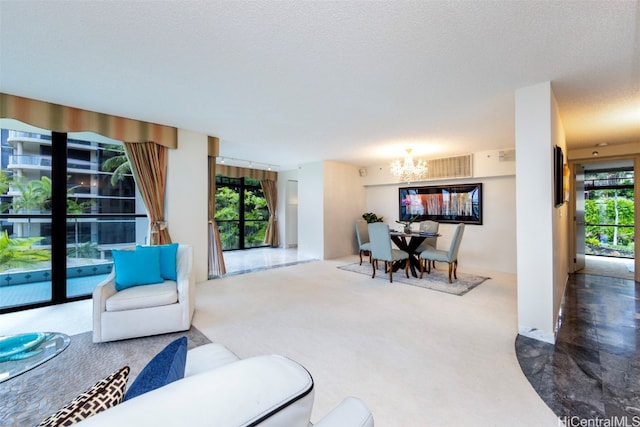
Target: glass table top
column 22, row 352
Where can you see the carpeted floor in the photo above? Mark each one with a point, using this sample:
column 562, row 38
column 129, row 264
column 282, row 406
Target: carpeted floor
column 30, row 397
column 438, row 280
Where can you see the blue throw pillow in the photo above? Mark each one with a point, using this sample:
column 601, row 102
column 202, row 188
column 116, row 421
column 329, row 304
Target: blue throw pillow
column 168, row 260
column 166, row 367
column 135, row 268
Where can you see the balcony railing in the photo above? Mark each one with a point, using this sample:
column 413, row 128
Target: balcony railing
column 90, row 240
column 24, row 160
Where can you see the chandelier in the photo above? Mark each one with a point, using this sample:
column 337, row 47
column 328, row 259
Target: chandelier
column 407, row 170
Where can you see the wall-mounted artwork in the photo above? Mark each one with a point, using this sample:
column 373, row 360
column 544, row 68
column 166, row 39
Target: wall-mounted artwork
column 558, row 177
column 442, row 203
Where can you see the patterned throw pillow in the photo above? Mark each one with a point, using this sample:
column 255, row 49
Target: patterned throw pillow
column 105, row 394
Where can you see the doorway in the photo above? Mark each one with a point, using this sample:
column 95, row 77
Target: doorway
column 604, row 218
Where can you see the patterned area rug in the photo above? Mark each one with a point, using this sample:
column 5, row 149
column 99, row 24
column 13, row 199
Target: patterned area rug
column 30, row 397
column 438, row 280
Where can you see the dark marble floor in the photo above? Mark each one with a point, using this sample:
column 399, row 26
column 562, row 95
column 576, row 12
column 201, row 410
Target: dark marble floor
column 593, row 370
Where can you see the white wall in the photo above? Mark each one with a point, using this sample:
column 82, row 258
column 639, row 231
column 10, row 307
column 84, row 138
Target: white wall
column 287, row 218
column 490, row 246
column 561, row 223
column 311, row 210
column 330, row 198
column 186, row 197
column 344, row 201
column 540, row 234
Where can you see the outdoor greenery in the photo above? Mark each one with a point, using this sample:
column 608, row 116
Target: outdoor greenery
column 607, row 209
column 19, row 253
column 35, row 195
column 118, row 164
column 256, row 217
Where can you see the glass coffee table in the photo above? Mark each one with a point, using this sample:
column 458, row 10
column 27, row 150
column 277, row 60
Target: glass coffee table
column 22, row 352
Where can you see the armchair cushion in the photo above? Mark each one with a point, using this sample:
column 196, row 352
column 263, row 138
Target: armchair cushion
column 146, row 296
column 136, row 267
column 165, row 367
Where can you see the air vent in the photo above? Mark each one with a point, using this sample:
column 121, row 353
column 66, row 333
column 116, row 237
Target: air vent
column 507, row 155
column 450, row 167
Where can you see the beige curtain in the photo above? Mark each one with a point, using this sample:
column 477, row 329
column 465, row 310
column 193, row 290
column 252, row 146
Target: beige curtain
column 149, row 167
column 216, row 258
column 271, row 196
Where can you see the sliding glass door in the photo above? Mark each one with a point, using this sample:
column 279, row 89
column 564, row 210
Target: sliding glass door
column 241, row 212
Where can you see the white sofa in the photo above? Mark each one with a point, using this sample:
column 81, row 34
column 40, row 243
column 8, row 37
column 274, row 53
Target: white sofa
column 145, row 310
column 223, row 391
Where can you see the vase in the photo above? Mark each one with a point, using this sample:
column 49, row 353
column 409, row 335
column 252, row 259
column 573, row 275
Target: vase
column 407, row 229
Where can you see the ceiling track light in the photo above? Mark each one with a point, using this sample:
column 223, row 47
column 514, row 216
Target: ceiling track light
column 249, row 163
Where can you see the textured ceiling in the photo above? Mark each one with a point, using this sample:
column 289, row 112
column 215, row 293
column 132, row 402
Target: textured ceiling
column 288, row 83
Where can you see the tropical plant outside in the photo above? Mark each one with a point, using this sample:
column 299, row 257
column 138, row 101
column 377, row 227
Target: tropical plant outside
column 609, row 217
column 255, row 212
column 19, row 252
column 118, row 164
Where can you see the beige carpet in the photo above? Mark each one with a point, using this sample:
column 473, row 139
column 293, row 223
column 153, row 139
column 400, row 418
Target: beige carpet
column 415, row 357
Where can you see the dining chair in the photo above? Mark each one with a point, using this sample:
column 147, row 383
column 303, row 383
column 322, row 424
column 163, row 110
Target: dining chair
column 432, row 242
column 429, row 242
column 362, row 233
column 381, row 250
column 449, row 256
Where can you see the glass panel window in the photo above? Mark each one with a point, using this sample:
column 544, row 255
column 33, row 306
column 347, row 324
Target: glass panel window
column 241, row 212
column 103, row 212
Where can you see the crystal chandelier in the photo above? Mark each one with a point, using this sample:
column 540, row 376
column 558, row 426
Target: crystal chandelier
column 407, row 170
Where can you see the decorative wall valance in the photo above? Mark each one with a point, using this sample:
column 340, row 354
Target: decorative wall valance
column 235, row 172
column 60, row 118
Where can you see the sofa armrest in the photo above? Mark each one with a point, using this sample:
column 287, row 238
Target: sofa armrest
column 351, row 412
column 264, row 390
column 101, row 293
column 185, row 281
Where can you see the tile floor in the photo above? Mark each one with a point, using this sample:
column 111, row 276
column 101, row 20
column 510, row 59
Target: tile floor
column 249, row 260
column 593, row 370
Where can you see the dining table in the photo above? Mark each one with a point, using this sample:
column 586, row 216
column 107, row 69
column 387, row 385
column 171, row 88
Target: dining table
column 409, row 242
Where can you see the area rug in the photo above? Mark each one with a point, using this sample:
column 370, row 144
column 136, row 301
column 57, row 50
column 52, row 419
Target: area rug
column 30, row 397
column 438, row 280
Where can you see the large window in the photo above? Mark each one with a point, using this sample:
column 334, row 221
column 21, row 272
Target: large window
column 67, row 202
column 241, row 212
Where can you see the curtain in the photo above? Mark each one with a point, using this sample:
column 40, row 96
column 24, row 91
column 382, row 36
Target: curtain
column 60, row 118
column 271, row 196
column 216, row 258
column 149, row 167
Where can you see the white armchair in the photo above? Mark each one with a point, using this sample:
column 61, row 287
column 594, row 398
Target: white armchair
column 145, row 310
